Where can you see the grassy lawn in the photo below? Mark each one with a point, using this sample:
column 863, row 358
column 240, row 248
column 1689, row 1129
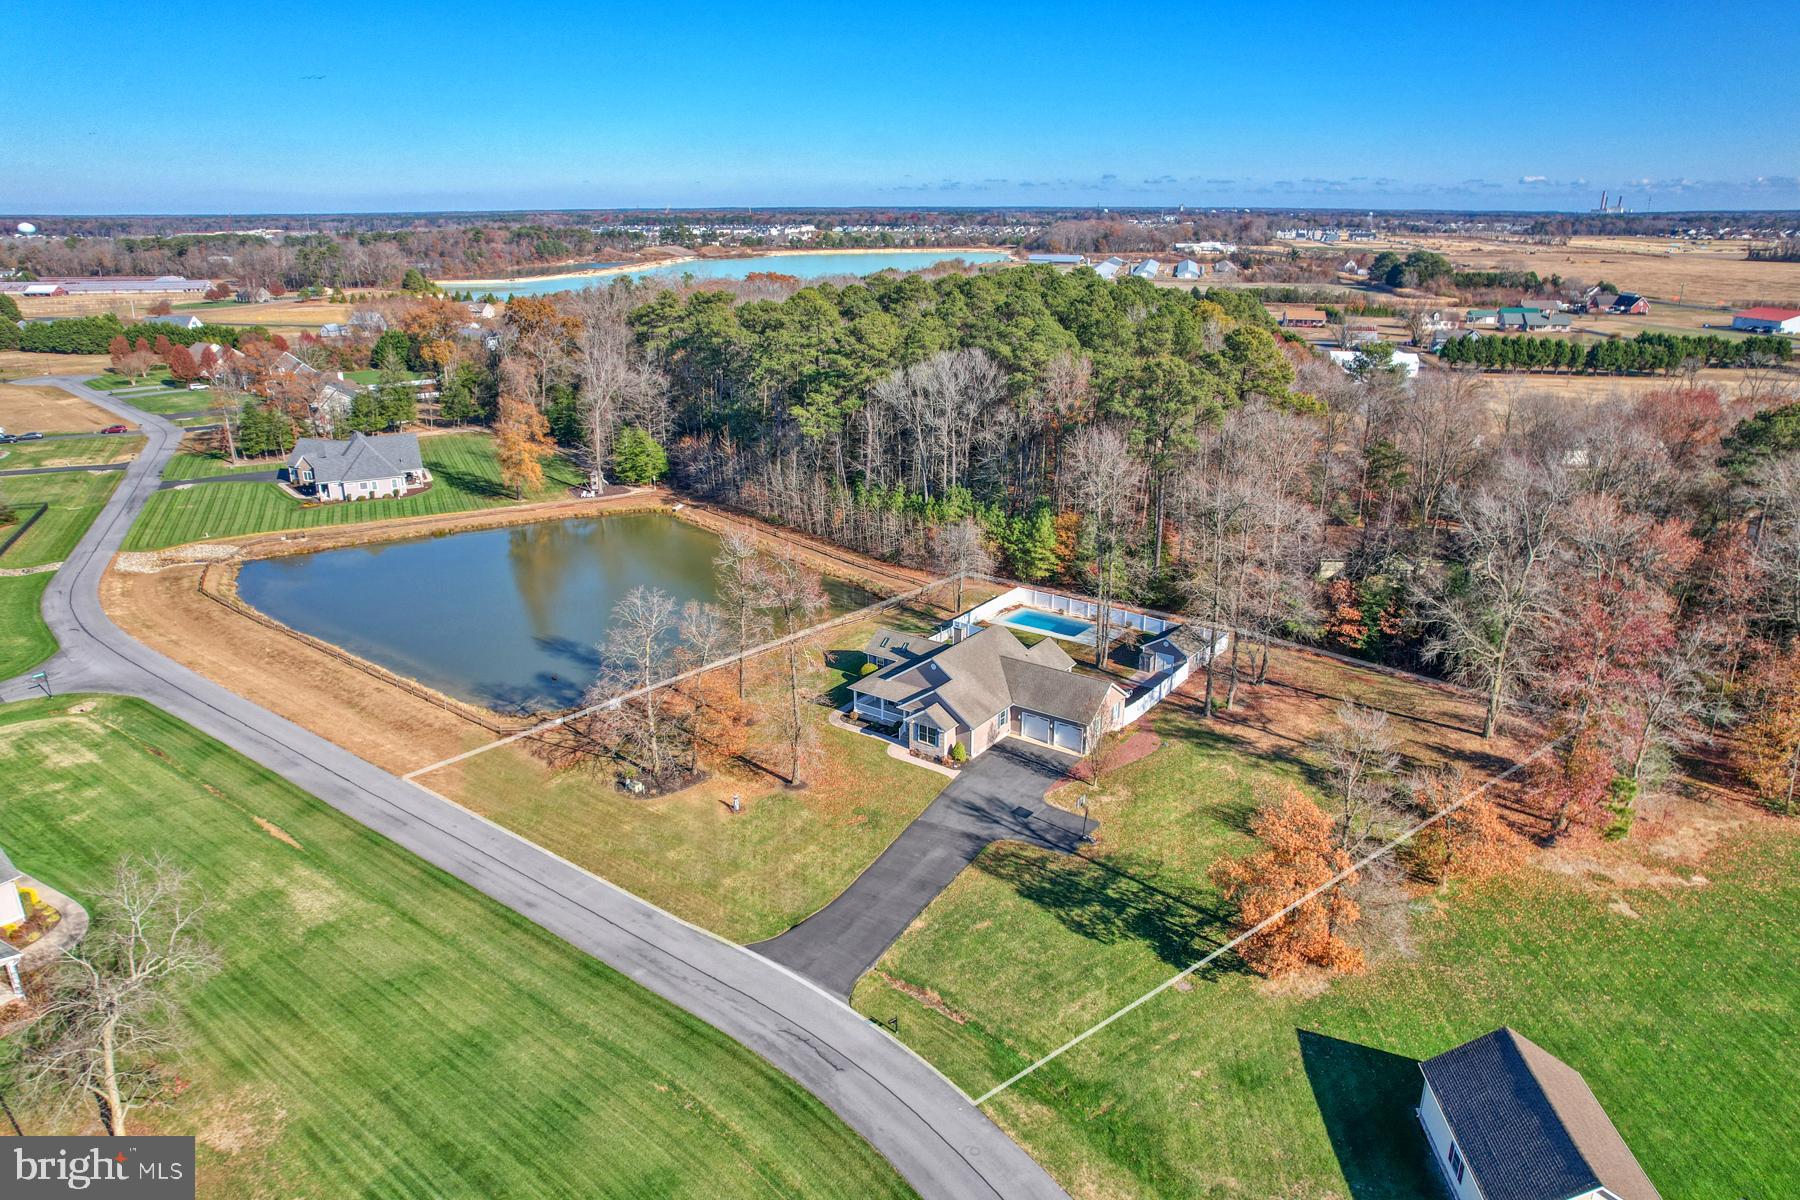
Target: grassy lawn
column 462, row 465
column 746, row 877
column 206, row 465
column 380, row 1029
column 1680, row 1016
column 69, row 452
column 112, row 381
column 74, row 497
column 25, row 640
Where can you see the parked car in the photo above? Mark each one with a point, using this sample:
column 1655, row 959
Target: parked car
column 31, row 437
column 114, row 429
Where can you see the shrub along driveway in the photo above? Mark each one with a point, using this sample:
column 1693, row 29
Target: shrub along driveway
column 998, row 797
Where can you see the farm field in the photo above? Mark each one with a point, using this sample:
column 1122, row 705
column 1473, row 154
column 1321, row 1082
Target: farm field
column 1666, row 976
column 350, row 1036
column 69, row 452
column 24, row 408
column 23, row 364
column 462, row 465
column 1716, row 274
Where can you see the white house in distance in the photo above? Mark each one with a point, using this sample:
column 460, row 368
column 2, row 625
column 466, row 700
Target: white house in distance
column 1508, row 1120
column 361, row 468
column 178, row 320
column 1057, row 260
column 1147, row 269
column 1404, row 361
column 1109, row 268
column 1767, row 319
column 1187, row 268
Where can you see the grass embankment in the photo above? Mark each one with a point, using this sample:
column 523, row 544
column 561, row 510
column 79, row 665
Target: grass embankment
column 25, row 641
column 380, row 1029
column 465, row 474
column 747, row 876
column 1679, row 1004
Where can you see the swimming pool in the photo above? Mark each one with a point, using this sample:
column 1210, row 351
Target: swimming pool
column 1071, row 629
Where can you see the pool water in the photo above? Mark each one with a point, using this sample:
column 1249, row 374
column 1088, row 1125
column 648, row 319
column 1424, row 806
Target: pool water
column 1050, row 623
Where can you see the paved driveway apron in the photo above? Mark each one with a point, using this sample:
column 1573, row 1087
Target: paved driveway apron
column 998, row 797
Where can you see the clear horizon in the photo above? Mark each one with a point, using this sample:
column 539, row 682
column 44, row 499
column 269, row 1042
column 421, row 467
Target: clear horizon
column 442, row 109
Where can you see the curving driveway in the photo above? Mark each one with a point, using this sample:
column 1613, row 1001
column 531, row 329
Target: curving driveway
column 941, row 1143
column 998, row 797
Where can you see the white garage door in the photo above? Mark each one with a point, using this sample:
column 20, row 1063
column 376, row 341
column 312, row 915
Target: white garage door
column 1034, row 727
column 1068, row 737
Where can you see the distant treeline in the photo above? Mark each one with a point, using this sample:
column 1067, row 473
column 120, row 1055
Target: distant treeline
column 1780, row 250
column 1648, row 353
column 93, row 335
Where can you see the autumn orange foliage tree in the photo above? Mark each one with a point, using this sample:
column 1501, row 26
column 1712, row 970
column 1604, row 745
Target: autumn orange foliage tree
column 521, row 444
column 1768, row 751
column 1471, row 841
column 1299, row 853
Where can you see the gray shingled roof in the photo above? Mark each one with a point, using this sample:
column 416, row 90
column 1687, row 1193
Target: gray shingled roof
column 1528, row 1125
column 987, row 672
column 891, row 643
column 384, row 456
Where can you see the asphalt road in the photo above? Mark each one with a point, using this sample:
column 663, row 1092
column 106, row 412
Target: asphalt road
column 998, row 797
column 941, row 1143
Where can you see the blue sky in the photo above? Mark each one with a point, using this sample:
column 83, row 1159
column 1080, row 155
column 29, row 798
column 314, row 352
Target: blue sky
column 453, row 105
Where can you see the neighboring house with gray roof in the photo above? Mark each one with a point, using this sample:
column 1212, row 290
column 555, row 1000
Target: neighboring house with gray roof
column 1508, row 1120
column 984, row 688
column 362, row 468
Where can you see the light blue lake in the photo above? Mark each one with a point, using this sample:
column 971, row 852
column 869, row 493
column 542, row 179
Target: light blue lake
column 803, row 266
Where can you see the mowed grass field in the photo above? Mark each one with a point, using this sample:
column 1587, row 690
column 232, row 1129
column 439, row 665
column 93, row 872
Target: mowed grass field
column 1680, row 1004
column 74, row 499
column 191, row 464
column 465, row 474
column 379, row 1029
column 71, row 501
column 69, row 452
column 25, row 640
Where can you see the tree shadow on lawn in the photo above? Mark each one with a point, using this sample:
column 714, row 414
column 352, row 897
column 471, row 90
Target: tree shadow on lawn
column 1367, row 1098
column 1103, row 899
column 470, row 483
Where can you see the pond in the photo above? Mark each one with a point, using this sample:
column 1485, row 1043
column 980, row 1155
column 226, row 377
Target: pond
column 506, row 618
column 802, row 266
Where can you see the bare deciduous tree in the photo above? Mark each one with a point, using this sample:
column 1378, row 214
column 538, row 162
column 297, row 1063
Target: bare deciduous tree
column 796, row 592
column 744, row 596
column 1490, row 616
column 635, row 656
column 1103, row 480
column 960, row 549
column 109, row 1027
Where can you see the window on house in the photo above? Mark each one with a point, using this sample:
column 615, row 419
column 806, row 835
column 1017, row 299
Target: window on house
column 1455, row 1159
column 927, row 734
